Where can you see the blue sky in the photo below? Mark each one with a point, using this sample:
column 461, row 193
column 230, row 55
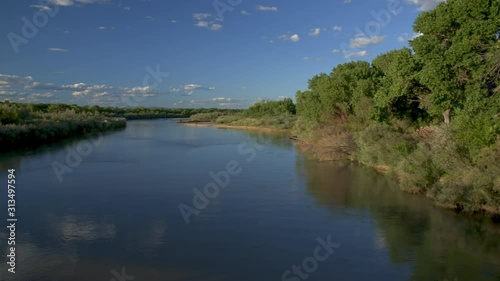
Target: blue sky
column 188, row 53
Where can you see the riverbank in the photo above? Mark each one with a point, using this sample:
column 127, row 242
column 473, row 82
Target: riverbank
column 236, row 127
column 15, row 137
column 425, row 161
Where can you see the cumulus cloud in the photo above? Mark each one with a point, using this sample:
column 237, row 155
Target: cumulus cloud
column 216, row 102
column 61, row 50
column 189, row 89
column 207, row 21
column 288, row 37
column 201, row 16
column 315, row 31
column 7, row 81
column 406, row 37
column 425, row 5
column 267, row 8
column 42, row 8
column 349, row 54
column 25, row 88
column 361, row 42
column 67, row 3
column 294, row 38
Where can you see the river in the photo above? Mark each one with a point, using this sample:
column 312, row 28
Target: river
column 161, row 201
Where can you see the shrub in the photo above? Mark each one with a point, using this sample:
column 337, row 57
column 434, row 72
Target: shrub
column 381, row 145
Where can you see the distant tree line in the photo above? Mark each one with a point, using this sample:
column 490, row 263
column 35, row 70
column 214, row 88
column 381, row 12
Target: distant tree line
column 27, row 126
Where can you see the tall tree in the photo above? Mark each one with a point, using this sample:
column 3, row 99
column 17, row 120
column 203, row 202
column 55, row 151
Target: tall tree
column 455, row 38
column 400, row 94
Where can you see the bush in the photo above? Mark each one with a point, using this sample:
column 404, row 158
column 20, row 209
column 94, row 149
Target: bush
column 205, row 117
column 381, row 145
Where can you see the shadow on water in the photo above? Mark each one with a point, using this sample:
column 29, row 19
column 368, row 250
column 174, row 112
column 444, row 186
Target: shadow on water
column 12, row 160
column 439, row 244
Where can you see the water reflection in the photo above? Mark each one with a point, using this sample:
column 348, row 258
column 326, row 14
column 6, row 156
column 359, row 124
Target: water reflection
column 439, row 244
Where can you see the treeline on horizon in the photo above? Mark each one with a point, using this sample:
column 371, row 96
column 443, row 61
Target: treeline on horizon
column 28, row 126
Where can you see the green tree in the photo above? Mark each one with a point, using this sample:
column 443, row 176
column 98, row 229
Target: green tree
column 400, row 95
column 455, row 37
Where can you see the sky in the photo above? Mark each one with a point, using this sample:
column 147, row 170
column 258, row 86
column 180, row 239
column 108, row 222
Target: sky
column 188, row 53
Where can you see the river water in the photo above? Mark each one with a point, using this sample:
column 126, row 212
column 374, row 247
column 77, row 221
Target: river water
column 161, row 201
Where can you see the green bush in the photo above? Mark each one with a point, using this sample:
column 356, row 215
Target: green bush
column 205, row 117
column 381, row 145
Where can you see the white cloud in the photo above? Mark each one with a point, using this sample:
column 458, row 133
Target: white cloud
column 334, row 51
column 244, row 12
column 173, row 21
column 201, row 16
column 218, row 101
column 202, row 24
column 14, row 80
column 126, row 8
column 191, row 86
column 416, row 35
column 41, row 8
column 267, row 9
column 189, row 89
column 348, row 54
column 294, row 38
column 425, row 5
column 404, row 37
column 61, row 50
column 205, row 21
column 24, row 88
column 150, row 18
column 288, row 37
column 347, row 1
column 337, row 28
column 215, row 26
column 67, row 3
column 62, row 2
column 315, row 31
column 46, row 95
column 361, row 42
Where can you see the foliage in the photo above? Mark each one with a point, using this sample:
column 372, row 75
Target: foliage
column 394, row 107
column 271, row 108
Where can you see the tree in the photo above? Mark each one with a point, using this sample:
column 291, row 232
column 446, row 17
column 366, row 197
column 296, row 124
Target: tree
column 400, row 94
column 340, row 93
column 455, row 37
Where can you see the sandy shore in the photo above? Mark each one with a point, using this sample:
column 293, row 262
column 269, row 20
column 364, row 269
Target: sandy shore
column 222, row 126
